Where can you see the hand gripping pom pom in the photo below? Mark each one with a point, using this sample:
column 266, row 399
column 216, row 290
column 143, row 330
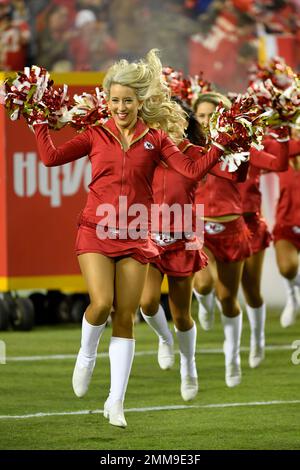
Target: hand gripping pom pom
column 235, row 130
column 232, row 161
column 280, row 133
column 31, row 94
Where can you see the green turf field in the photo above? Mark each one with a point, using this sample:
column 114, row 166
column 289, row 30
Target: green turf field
column 156, row 415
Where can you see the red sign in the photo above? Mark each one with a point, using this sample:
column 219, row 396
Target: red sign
column 39, row 206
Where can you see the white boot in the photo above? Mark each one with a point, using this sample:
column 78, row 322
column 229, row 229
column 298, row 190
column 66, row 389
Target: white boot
column 296, row 280
column 257, row 317
column 188, row 371
column 206, row 307
column 289, row 313
column 121, row 354
column 115, row 413
column 159, row 325
column 232, row 332
column 86, row 359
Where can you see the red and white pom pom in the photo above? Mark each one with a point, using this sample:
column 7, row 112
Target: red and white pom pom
column 239, row 127
column 199, row 86
column 275, row 69
column 31, row 94
column 236, row 130
column 278, row 107
column 179, row 85
column 87, row 110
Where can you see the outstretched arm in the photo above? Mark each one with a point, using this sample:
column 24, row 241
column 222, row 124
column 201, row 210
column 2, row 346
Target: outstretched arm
column 237, row 176
column 75, row 148
column 185, row 165
column 294, row 148
column 275, row 157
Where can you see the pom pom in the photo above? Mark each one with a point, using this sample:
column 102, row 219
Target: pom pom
column 237, row 128
column 199, row 86
column 187, row 89
column 276, row 70
column 86, row 110
column 31, row 94
column 278, row 107
column 179, row 86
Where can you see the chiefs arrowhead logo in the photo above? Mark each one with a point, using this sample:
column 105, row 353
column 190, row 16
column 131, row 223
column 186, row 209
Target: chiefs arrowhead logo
column 213, row 228
column 296, row 229
column 148, row 145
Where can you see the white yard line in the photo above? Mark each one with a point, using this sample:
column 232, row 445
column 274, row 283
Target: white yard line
column 155, row 408
column 48, row 357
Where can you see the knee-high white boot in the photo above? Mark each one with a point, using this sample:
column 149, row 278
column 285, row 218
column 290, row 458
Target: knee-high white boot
column 159, row 325
column 232, row 332
column 206, row 309
column 289, row 313
column 188, row 370
column 86, row 359
column 257, row 317
column 121, row 354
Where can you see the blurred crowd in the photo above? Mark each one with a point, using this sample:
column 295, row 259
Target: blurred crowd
column 65, row 35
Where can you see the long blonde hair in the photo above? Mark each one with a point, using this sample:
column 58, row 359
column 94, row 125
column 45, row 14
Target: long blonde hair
column 146, row 79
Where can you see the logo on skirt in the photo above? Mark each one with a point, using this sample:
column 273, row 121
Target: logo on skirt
column 296, row 229
column 148, row 145
column 213, row 228
column 171, row 222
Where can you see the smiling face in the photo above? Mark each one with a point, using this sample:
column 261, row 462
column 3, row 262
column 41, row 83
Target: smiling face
column 124, row 106
column 204, row 112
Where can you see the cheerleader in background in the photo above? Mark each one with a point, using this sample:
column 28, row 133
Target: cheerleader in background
column 179, row 262
column 260, row 240
column 227, row 244
column 286, row 232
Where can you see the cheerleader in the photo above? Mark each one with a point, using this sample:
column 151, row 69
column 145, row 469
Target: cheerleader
column 179, row 261
column 124, row 153
column 260, row 240
column 227, row 244
column 286, row 233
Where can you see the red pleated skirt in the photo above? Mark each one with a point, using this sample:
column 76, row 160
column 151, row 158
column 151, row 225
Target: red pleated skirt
column 143, row 250
column 228, row 241
column 260, row 235
column 290, row 233
column 177, row 261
